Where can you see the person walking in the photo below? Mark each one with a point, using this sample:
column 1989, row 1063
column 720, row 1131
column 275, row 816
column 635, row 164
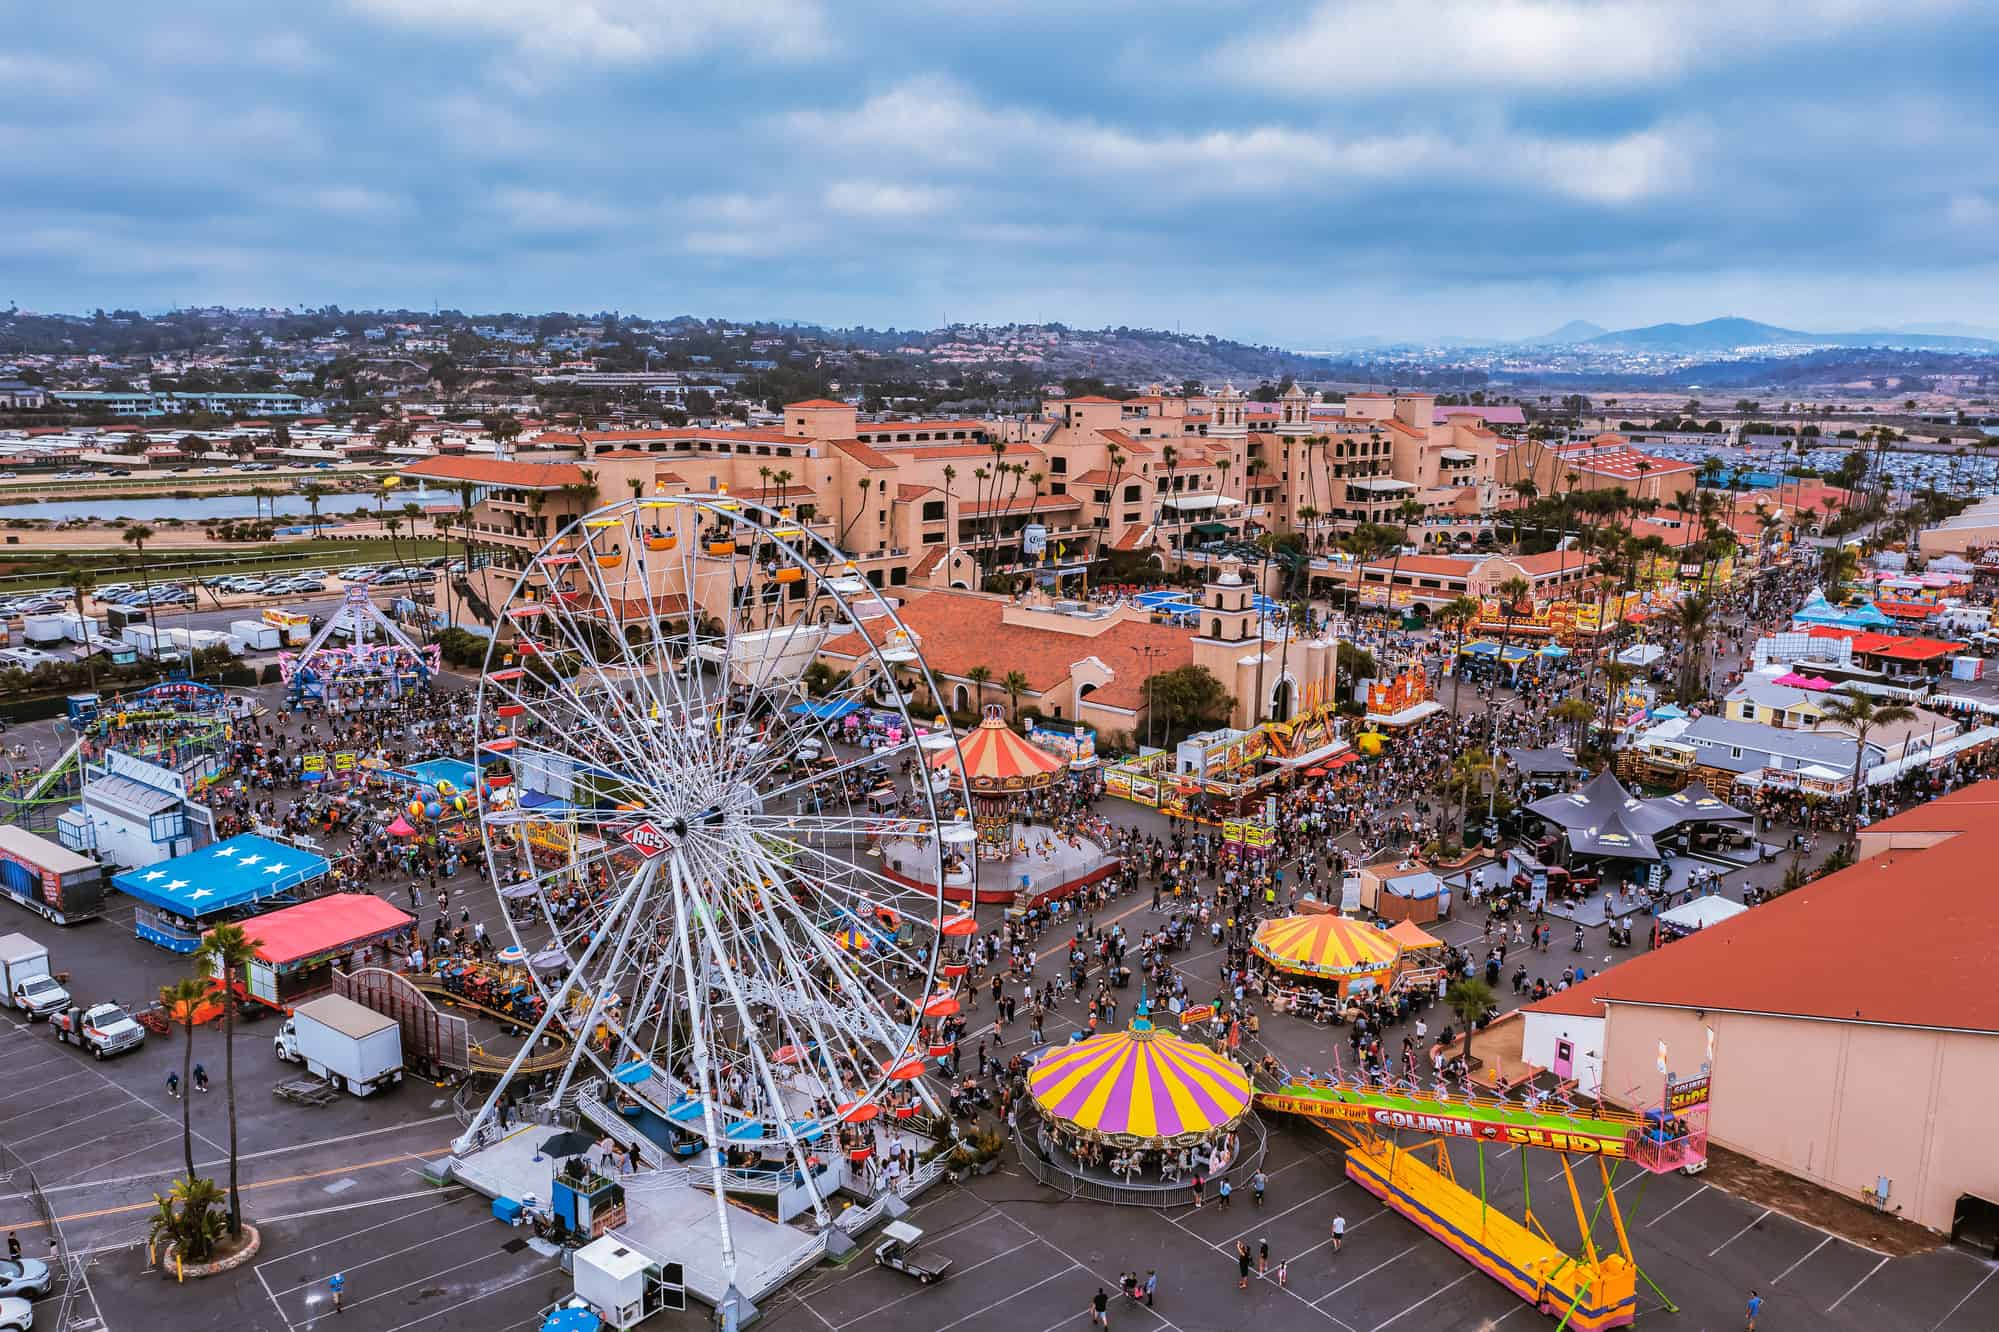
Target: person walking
column 337, row 1283
column 13, row 1247
column 1283, row 1274
column 1263, row 1256
column 200, row 1079
column 1257, row 1183
column 1339, row 1232
column 1100, row 1309
column 1222, row 1192
column 1242, row 1264
column 1755, row 1307
column 1151, row 1284
column 173, row 1084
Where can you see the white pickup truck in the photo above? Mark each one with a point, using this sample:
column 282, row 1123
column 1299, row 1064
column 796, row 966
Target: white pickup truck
column 102, row 1029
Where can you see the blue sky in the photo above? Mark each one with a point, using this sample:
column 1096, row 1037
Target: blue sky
column 1297, row 172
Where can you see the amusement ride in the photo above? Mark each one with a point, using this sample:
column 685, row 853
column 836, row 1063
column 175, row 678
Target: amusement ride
column 684, row 839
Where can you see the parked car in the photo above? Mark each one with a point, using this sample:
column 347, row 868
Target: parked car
column 25, row 1277
column 16, row 1315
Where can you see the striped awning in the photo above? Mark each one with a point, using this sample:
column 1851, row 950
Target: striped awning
column 1324, row 945
column 995, row 760
column 1140, row 1086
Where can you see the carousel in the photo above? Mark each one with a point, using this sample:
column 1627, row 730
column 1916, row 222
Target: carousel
column 1140, row 1106
column 995, row 768
column 1314, row 959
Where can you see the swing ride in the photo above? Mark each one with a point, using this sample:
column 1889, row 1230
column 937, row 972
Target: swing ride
column 687, row 846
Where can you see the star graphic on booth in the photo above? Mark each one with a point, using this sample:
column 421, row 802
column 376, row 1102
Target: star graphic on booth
column 224, row 852
column 153, row 876
column 200, row 893
column 275, row 867
column 249, row 860
column 172, row 884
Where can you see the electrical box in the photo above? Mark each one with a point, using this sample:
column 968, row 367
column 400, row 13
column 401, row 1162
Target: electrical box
column 624, row 1285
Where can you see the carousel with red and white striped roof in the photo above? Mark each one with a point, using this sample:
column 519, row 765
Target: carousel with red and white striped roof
column 995, row 768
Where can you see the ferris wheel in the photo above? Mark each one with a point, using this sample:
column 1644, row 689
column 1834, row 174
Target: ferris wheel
column 692, row 844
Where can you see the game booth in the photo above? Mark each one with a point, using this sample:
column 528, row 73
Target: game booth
column 1226, row 773
column 299, row 947
column 359, row 661
column 181, row 898
column 1138, row 1105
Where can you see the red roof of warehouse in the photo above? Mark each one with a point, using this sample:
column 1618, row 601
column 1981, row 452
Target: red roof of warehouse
column 323, row 925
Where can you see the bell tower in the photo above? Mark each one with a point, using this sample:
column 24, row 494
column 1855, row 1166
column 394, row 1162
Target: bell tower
column 1228, row 610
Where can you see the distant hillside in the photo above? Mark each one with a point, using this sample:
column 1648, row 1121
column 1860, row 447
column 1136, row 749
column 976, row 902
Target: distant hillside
column 1568, row 335
column 1717, row 337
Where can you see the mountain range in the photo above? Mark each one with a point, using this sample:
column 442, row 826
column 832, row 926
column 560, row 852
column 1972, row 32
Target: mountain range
column 1716, row 337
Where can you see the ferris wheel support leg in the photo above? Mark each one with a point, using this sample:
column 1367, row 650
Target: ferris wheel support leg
column 705, row 1073
column 644, row 877
column 465, row 1140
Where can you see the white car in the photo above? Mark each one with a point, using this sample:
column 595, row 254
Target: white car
column 16, row 1315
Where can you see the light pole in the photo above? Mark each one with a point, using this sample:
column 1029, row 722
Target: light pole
column 1147, row 653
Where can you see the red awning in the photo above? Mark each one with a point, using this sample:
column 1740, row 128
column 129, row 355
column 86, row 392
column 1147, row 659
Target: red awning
column 323, row 925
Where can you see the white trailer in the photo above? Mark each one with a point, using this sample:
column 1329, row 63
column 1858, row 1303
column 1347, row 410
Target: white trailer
column 256, row 635
column 81, row 628
column 42, row 628
column 354, row 1048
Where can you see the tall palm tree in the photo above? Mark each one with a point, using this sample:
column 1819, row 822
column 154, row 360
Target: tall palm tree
column 136, row 536
column 979, row 676
column 314, row 492
column 1015, row 683
column 81, row 580
column 181, row 999
column 1694, row 617
column 1510, row 594
column 228, row 949
column 1470, row 998
column 1616, row 675
column 1859, row 713
column 1458, row 614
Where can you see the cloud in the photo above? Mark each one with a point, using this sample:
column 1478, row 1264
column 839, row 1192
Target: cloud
column 886, row 199
column 357, row 202
column 948, row 126
column 1483, row 47
column 621, row 32
column 547, row 210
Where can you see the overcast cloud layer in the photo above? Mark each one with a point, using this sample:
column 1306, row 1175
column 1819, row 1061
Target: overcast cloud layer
column 1296, row 172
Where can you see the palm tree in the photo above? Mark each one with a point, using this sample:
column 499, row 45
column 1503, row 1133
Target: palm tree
column 81, row 580
column 1510, row 594
column 1694, row 617
column 1459, row 614
column 181, row 999
column 1859, row 713
column 979, row 676
column 229, row 950
column 1574, row 712
column 314, row 492
column 1015, row 683
column 1471, row 999
column 1616, row 675
column 1466, row 774
column 136, row 536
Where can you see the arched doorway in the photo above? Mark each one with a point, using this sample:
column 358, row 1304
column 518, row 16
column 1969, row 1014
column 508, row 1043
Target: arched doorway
column 1283, row 698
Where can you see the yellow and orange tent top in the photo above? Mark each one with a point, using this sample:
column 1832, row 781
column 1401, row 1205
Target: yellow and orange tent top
column 1140, row 1086
column 994, row 759
column 1324, row 945
column 1411, row 935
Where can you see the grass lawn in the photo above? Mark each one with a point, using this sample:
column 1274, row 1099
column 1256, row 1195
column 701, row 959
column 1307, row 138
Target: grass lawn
column 46, row 570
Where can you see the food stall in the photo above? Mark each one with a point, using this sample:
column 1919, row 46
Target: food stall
column 299, row 947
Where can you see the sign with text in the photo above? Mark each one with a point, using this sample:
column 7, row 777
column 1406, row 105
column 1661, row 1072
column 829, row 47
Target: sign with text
column 1464, row 1125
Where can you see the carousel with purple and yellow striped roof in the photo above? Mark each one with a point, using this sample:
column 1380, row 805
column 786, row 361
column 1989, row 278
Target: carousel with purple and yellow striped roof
column 1139, row 1102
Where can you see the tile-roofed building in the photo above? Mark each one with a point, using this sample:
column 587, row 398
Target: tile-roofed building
column 1853, row 1024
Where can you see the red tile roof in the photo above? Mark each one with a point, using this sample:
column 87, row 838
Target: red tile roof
column 1922, row 917
column 958, row 630
column 819, row 405
column 934, row 452
column 931, row 559
column 493, row 472
column 1127, row 442
column 1096, row 476
column 906, row 493
column 867, row 455
column 1022, row 504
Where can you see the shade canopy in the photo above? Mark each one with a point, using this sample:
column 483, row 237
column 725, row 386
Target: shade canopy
column 995, row 760
column 223, row 876
column 1324, row 945
column 1409, row 934
column 1140, row 1085
column 328, row 924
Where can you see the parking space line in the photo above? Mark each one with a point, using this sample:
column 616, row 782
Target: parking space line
column 1678, row 1205
column 1801, row 1262
column 58, row 1128
column 904, row 1299
column 272, row 1298
column 428, row 1276
column 123, row 1156
column 1275, row 1216
column 1967, row 1297
column 1858, row 1284
column 44, row 1109
column 1365, row 1275
column 337, row 1239
column 484, row 1294
column 1425, row 1300
column 1740, row 1233
column 1072, row 1267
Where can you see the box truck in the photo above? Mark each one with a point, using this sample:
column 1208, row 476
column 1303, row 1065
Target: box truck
column 26, row 982
column 50, row 880
column 256, row 635
column 43, row 628
column 353, row 1047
